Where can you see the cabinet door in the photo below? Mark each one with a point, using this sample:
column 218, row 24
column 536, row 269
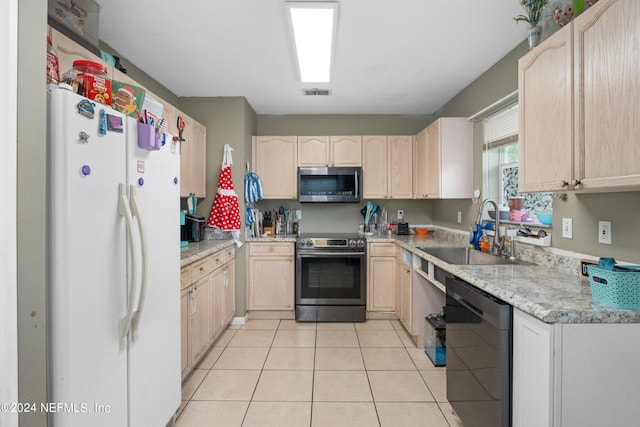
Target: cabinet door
column 271, row 283
column 546, row 115
column 346, row 150
column 229, row 292
column 276, row 163
column 532, row 371
column 434, row 160
column 400, row 175
column 216, row 304
column 185, row 313
column 69, row 51
column 185, row 156
column 607, row 85
column 374, row 167
column 381, row 289
column 421, row 166
column 198, row 159
column 313, row 151
column 404, row 282
column 199, row 318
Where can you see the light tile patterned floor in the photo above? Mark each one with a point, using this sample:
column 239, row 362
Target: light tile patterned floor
column 283, row 373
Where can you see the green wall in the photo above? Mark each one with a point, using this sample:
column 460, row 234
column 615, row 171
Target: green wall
column 31, row 220
column 341, row 124
column 229, row 120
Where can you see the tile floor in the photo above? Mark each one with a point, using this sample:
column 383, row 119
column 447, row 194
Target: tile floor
column 284, row 373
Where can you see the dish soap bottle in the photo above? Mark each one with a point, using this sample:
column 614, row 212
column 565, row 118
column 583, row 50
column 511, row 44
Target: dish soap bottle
column 484, row 244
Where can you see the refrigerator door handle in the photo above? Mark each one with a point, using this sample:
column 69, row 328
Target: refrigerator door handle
column 135, row 210
column 125, row 210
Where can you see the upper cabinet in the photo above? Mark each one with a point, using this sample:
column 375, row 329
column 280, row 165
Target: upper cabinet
column 400, row 167
column 546, row 115
column 387, row 167
column 374, row 167
column 276, row 160
column 329, row 151
column 607, row 86
column 444, row 160
column 579, row 129
column 194, row 149
column 69, row 51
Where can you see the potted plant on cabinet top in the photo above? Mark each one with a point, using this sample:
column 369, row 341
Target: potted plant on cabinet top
column 533, row 9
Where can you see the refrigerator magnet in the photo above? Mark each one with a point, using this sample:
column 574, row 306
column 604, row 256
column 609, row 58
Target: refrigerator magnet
column 115, row 123
column 86, row 108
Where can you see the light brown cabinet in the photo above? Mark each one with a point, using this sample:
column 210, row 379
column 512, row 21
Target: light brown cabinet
column 193, row 158
column 579, row 129
column 374, row 167
column 276, row 163
column 207, row 304
column 444, row 160
column 199, row 318
column 69, row 51
column 546, row 161
column 387, row 167
column 381, row 277
column 406, row 296
column 330, row 151
column 271, row 276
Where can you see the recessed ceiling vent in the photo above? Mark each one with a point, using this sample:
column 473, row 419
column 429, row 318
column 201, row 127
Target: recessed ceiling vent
column 316, row 92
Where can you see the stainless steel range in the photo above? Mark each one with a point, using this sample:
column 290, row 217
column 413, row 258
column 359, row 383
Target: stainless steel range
column 331, row 279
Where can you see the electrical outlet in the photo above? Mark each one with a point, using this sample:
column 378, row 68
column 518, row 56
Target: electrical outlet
column 459, row 219
column 567, row 228
column 400, row 214
column 299, row 213
column 604, row 232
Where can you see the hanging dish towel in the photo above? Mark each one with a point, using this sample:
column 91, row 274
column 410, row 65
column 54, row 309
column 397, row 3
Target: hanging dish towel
column 252, row 188
column 225, row 213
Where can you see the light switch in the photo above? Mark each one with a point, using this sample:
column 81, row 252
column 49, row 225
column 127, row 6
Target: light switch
column 567, row 228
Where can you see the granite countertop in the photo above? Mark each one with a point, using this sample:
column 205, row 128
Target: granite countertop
column 551, row 296
column 198, row 250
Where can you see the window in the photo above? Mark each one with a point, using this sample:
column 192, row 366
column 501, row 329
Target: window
column 500, row 163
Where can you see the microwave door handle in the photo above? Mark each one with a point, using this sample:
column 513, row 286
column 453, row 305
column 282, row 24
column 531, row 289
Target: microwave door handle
column 357, row 189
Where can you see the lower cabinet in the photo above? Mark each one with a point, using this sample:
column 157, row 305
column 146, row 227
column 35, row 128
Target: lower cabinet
column 406, row 296
column 582, row 374
column 381, row 277
column 207, row 304
column 271, row 276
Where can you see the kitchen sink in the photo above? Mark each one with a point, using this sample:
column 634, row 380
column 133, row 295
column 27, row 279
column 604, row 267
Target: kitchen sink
column 466, row 256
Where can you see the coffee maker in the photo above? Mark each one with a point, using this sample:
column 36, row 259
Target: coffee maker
column 193, row 228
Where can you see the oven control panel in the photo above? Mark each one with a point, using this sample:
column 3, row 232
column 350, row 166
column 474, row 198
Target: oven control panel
column 331, row 243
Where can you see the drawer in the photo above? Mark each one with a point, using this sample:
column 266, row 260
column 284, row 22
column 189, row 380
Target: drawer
column 205, row 266
column 185, row 277
column 229, row 253
column 266, row 249
column 383, row 249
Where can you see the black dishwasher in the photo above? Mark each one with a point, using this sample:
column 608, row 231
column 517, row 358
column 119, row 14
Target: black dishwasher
column 479, row 353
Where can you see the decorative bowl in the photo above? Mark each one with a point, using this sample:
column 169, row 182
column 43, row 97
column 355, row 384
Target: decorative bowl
column 545, row 218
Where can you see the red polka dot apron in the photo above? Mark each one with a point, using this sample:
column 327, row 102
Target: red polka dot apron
column 225, row 213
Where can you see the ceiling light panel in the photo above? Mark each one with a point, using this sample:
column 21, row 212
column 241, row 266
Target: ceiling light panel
column 313, row 30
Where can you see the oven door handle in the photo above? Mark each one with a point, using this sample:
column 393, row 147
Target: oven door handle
column 320, row 254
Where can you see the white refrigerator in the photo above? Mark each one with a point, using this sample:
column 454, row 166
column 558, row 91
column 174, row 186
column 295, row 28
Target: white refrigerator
column 113, row 253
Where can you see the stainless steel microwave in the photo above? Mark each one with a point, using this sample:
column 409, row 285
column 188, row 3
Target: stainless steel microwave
column 330, row 185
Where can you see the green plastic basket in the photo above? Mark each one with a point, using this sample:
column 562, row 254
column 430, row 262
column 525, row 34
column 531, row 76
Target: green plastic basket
column 618, row 289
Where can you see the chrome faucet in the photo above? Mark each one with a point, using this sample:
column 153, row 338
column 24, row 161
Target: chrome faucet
column 498, row 244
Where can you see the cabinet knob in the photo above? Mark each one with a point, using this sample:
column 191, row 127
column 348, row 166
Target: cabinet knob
column 201, row 269
column 563, row 183
column 575, row 182
column 270, row 248
column 217, row 259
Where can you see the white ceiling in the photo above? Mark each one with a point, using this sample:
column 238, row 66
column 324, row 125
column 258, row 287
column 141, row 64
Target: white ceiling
column 392, row 57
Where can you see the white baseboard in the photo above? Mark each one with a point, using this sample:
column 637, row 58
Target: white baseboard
column 237, row 320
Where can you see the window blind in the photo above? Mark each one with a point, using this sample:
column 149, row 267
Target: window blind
column 501, row 128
